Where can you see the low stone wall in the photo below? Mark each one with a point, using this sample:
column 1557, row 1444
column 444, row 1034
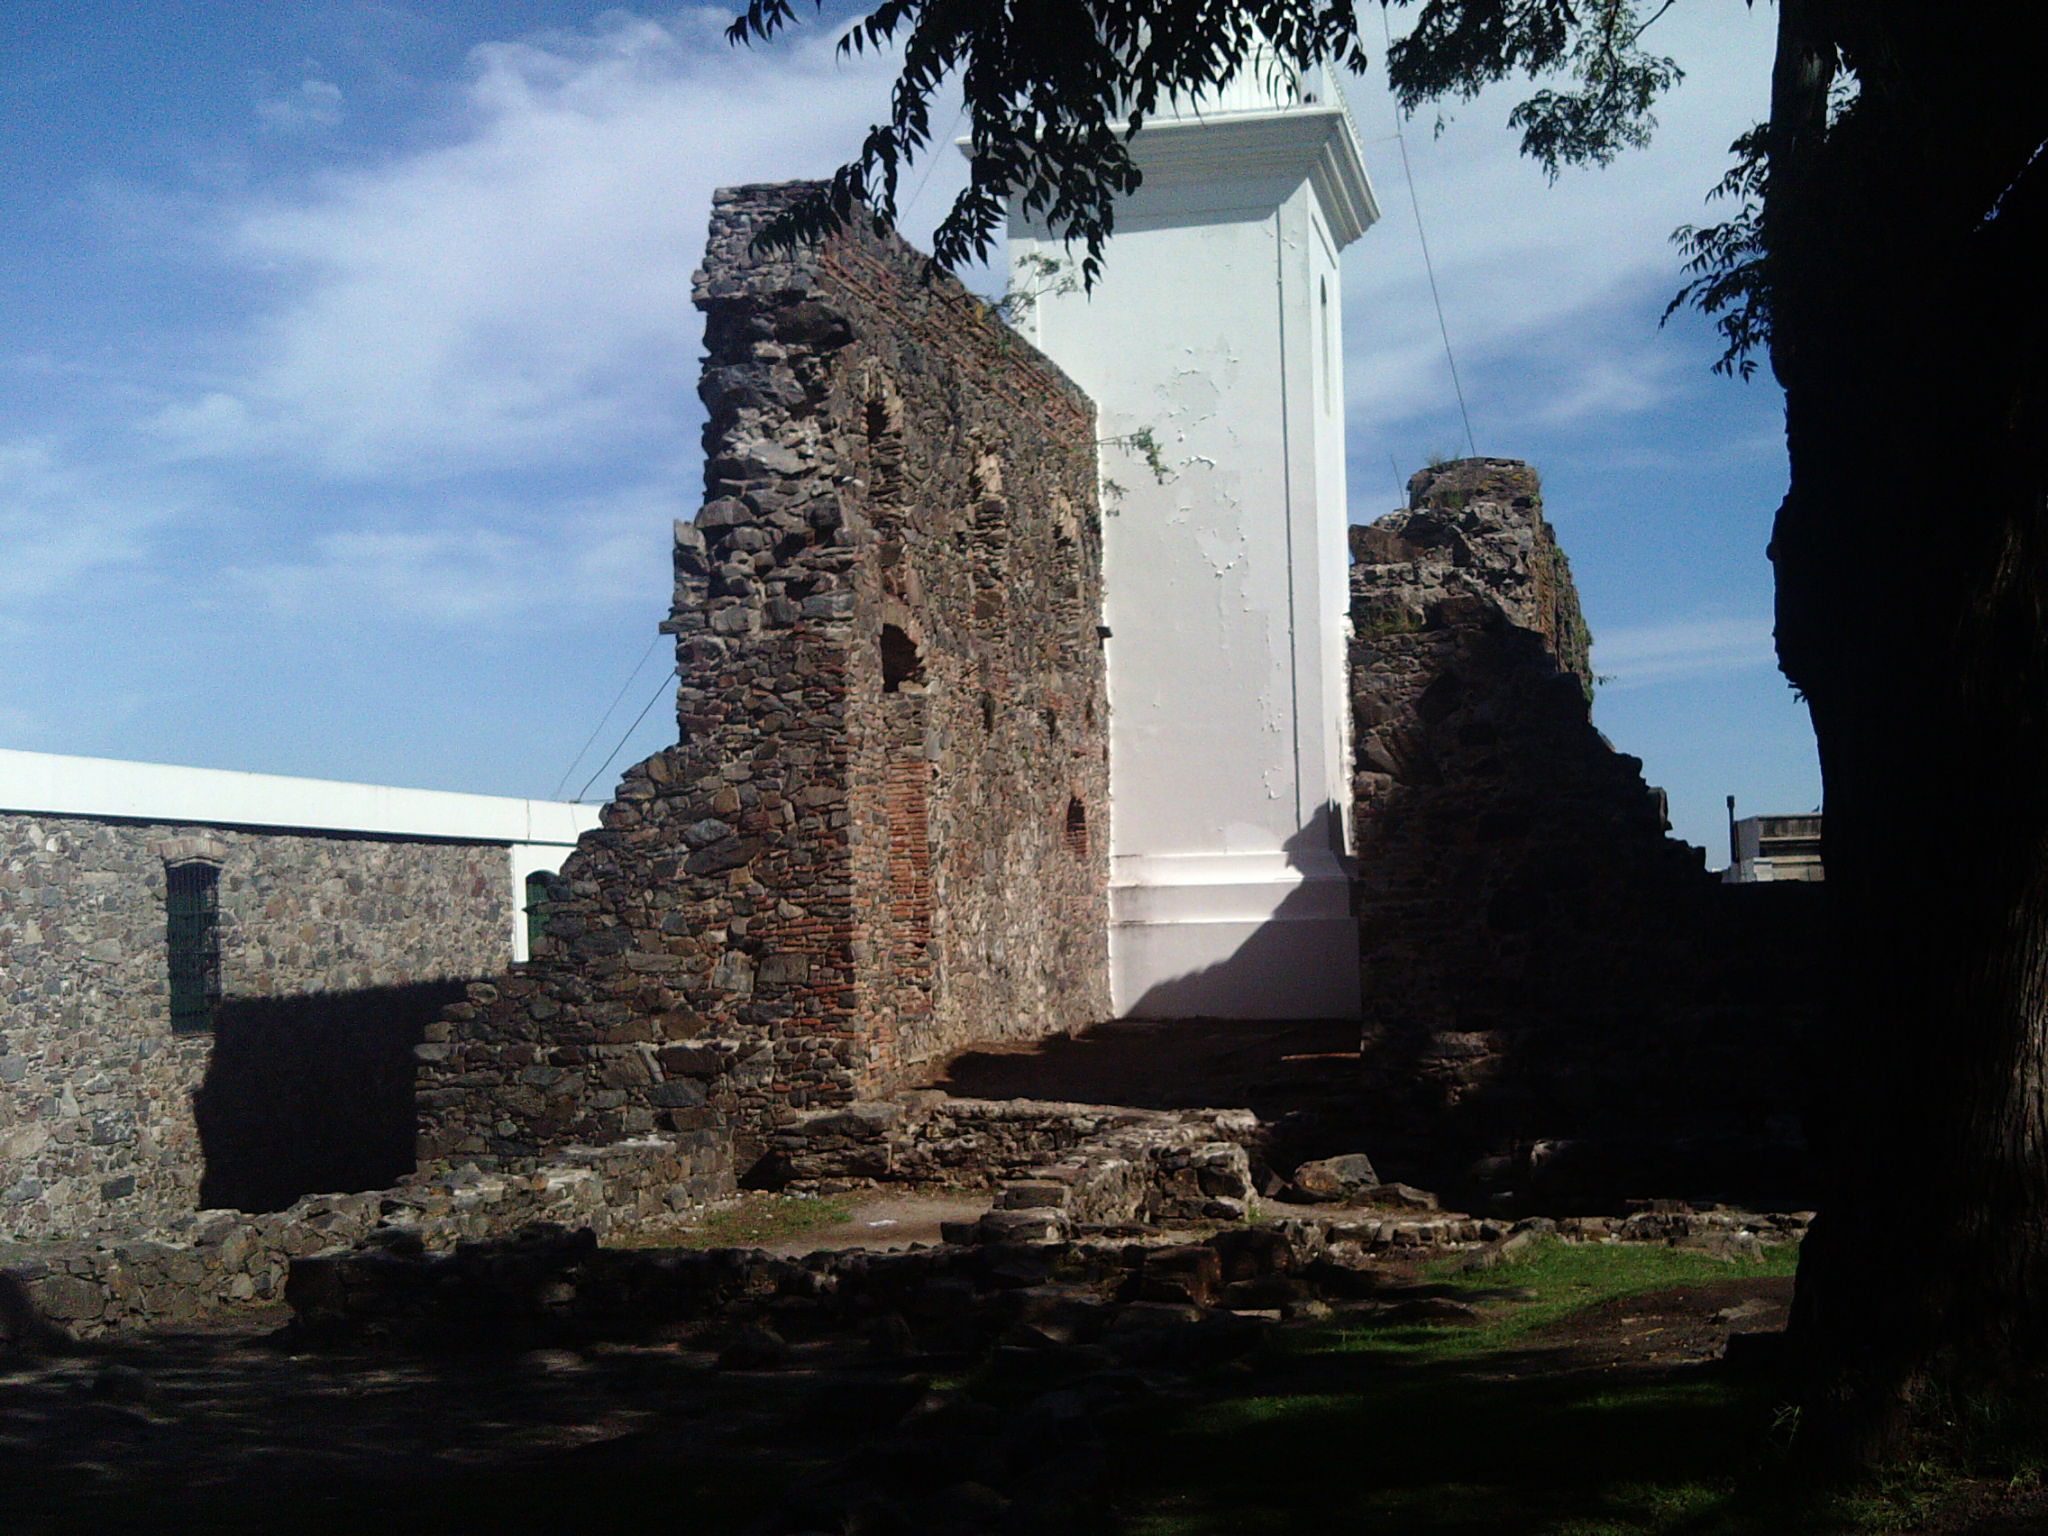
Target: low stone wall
column 111, row 1117
column 216, row 1265
column 1090, row 1163
column 561, row 1287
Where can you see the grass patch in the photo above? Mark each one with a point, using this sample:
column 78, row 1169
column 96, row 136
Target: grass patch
column 1569, row 1278
column 1470, row 1431
column 757, row 1219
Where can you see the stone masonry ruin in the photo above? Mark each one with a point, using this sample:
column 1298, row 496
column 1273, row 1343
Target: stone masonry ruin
column 880, row 835
column 1551, row 984
column 883, row 837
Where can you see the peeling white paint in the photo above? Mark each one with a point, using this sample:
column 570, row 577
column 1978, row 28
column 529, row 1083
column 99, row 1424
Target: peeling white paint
column 1223, row 554
column 1224, row 589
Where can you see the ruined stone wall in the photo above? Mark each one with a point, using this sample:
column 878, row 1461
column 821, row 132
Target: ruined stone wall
column 97, row 1122
column 224, row 1267
column 881, row 834
column 1541, row 963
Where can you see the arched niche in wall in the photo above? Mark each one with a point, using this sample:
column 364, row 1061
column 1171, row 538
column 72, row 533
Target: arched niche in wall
column 902, row 660
column 882, row 421
column 901, row 643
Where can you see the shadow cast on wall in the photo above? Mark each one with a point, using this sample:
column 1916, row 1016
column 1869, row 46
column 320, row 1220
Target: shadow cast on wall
column 1238, row 985
column 1559, row 999
column 313, row 1094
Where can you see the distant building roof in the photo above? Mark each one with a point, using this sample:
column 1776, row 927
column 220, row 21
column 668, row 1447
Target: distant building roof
column 44, row 783
column 1774, row 848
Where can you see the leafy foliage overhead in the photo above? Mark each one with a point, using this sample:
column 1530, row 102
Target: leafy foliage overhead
column 1056, row 88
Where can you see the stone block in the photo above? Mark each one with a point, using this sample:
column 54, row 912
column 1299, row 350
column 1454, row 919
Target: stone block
column 1191, row 1274
column 1028, row 1194
column 1335, row 1178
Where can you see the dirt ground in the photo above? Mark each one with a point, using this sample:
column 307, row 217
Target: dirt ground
column 233, row 1433
column 1653, row 1330
column 225, row 1432
column 885, row 1221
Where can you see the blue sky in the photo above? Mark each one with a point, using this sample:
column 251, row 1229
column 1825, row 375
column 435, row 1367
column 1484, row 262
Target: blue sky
column 347, row 380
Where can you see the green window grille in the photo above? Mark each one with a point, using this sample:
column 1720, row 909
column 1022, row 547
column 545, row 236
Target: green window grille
column 536, row 912
column 192, row 922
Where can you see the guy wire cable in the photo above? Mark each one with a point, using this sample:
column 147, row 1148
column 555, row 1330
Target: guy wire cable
column 660, row 688
column 1428, row 265
column 601, row 719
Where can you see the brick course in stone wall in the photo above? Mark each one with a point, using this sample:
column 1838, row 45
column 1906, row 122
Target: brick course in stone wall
column 97, row 1129
column 891, row 704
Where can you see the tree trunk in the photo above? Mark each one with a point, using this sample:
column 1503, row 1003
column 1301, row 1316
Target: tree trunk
column 1912, row 567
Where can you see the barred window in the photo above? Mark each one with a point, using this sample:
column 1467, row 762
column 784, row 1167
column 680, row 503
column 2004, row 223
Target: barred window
column 536, row 913
column 192, row 927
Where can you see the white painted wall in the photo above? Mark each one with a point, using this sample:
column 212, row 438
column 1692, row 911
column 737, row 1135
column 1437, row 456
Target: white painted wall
column 1214, row 326
column 538, row 833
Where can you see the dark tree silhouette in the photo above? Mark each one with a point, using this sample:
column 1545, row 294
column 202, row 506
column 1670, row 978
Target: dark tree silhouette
column 1886, row 252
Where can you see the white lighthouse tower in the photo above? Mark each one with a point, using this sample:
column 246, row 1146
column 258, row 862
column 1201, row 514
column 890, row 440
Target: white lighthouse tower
column 1215, row 329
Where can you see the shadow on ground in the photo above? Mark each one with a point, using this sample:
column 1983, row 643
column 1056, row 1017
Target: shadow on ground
column 1610, row 1419
column 1439, row 1449
column 1621, row 1420
column 180, row 1435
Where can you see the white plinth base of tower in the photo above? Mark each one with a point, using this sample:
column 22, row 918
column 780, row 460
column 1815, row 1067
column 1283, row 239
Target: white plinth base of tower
column 1232, row 936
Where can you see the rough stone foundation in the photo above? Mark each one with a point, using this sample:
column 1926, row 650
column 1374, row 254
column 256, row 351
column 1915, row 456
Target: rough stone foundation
column 560, row 1287
column 1055, row 1165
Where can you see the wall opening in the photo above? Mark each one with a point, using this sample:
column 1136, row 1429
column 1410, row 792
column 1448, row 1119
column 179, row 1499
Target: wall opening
column 192, row 934
column 536, row 919
column 901, row 660
column 1077, row 828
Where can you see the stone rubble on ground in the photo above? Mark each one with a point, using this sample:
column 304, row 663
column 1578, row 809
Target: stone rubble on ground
column 1065, row 1339
column 1065, row 1164
column 213, row 1266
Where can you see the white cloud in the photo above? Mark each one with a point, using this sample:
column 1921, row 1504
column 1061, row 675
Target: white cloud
column 1608, row 386
column 459, row 392
column 314, row 104
column 479, row 565
column 61, row 522
column 518, row 295
column 215, row 425
column 1530, row 272
column 1636, row 657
